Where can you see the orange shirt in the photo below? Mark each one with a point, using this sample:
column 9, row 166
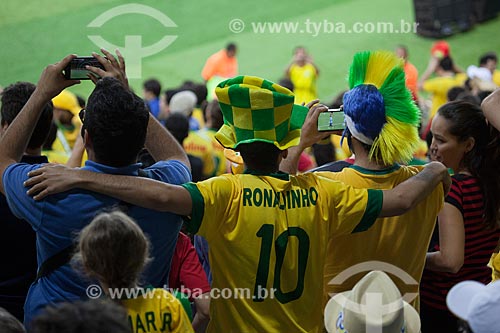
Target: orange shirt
column 411, row 74
column 219, row 64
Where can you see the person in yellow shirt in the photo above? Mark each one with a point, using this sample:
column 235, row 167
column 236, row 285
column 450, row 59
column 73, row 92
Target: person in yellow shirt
column 214, row 122
column 445, row 80
column 382, row 130
column 66, row 110
column 114, row 250
column 303, row 73
column 267, row 230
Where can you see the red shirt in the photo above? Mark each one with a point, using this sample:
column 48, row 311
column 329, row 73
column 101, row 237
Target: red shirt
column 186, row 272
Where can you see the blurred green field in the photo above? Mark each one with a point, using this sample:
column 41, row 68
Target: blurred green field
column 35, row 33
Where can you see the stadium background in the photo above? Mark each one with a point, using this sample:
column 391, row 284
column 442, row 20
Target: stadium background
column 36, row 33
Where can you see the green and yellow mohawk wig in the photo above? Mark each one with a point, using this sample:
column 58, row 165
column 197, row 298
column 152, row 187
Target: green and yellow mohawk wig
column 379, row 108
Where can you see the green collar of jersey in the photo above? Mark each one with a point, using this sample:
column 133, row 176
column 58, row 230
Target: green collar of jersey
column 279, row 174
column 376, row 172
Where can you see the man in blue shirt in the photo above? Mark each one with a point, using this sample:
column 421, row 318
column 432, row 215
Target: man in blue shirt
column 116, row 125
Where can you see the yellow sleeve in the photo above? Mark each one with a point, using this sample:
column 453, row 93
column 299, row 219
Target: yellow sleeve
column 179, row 321
column 351, row 210
column 210, row 202
column 431, row 85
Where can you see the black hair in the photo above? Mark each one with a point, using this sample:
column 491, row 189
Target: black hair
column 13, row 99
column 231, row 47
column 214, row 112
column 81, row 101
column 453, row 93
column 260, row 156
column 199, row 89
column 153, row 85
column 95, row 316
column 467, row 121
column 446, row 64
column 116, row 120
column 287, row 83
column 178, row 125
column 487, row 56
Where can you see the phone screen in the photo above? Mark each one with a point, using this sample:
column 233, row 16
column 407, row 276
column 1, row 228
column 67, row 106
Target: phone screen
column 331, row 121
column 76, row 68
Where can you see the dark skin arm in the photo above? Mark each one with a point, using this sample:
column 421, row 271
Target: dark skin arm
column 15, row 140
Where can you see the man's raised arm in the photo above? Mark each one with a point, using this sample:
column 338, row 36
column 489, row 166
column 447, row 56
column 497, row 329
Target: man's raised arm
column 16, row 138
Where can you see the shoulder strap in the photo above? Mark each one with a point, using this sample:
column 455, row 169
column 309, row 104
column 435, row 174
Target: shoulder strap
column 64, row 256
column 57, row 260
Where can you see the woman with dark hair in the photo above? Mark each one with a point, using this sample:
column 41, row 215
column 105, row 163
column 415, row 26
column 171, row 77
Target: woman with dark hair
column 469, row 221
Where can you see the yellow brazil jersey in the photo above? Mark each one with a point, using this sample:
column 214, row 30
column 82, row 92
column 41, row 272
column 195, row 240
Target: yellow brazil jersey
column 400, row 241
column 221, row 164
column 439, row 87
column 157, row 311
column 201, row 147
column 304, row 82
column 268, row 236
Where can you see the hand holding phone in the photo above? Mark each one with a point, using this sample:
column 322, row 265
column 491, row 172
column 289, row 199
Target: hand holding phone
column 331, row 120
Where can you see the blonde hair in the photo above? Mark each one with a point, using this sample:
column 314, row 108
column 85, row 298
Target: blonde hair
column 113, row 249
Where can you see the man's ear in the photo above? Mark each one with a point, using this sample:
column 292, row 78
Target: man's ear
column 87, row 141
column 284, row 153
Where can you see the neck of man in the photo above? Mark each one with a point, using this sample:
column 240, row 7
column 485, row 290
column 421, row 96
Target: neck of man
column 362, row 159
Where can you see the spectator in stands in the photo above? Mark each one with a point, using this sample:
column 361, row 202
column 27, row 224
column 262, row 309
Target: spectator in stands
column 445, row 79
column 114, row 250
column 491, row 108
column 411, row 72
column 303, row 73
column 94, row 316
column 220, row 66
column 66, row 109
column 195, row 144
column 382, row 130
column 468, row 222
column 214, row 122
column 243, row 228
column 17, row 238
column 178, row 125
column 116, row 126
column 151, row 93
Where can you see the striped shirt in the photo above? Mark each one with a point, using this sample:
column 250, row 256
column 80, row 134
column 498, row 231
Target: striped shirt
column 466, row 195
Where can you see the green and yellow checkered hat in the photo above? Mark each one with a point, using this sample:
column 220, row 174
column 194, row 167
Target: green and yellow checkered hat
column 255, row 109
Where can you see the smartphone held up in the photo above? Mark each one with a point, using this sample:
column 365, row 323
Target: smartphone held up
column 331, row 120
column 76, row 69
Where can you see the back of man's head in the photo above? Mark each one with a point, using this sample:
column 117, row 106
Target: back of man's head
column 116, row 121
column 94, row 316
column 13, row 99
column 178, row 125
column 153, row 86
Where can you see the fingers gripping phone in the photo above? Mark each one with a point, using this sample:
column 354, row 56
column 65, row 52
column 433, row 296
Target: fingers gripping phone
column 76, row 68
column 331, row 120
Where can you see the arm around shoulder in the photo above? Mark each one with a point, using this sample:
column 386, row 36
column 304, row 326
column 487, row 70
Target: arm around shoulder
column 409, row 193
